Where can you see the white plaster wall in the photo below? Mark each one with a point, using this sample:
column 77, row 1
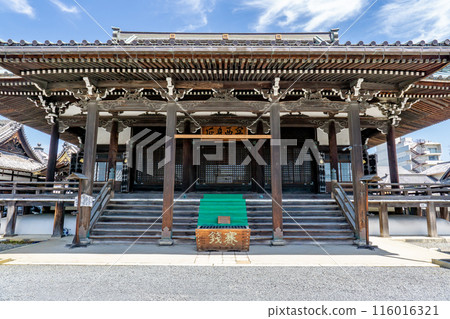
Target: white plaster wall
column 404, row 225
column 342, row 137
column 41, row 224
column 103, row 136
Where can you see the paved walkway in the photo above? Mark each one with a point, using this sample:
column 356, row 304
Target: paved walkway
column 389, row 252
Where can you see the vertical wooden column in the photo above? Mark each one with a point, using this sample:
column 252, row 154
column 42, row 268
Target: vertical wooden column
column 58, row 222
column 431, row 220
column 444, row 213
column 354, row 127
column 188, row 167
column 52, row 157
column 332, row 145
column 384, row 220
column 90, row 152
column 52, row 153
column 392, row 159
column 258, row 170
column 275, row 170
column 169, row 175
column 392, row 153
column 113, row 146
column 11, row 219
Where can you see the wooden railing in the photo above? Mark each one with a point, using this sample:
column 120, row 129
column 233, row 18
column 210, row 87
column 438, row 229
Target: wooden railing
column 404, row 189
column 345, row 203
column 41, row 191
column 102, row 199
column 425, row 197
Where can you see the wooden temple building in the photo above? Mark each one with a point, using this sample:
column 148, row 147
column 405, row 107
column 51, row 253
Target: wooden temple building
column 158, row 95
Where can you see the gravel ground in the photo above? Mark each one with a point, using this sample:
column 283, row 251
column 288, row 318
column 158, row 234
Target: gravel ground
column 222, row 283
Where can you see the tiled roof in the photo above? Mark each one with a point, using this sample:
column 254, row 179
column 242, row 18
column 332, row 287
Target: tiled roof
column 440, row 168
column 219, row 43
column 404, row 175
column 19, row 163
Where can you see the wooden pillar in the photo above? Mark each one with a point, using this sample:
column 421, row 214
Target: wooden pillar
column 188, row 167
column 258, row 170
column 11, row 219
column 392, row 153
column 431, row 220
column 354, row 127
column 444, row 213
column 58, row 221
column 169, row 175
column 332, row 144
column 113, row 146
column 90, row 152
column 275, row 170
column 53, row 153
column 383, row 215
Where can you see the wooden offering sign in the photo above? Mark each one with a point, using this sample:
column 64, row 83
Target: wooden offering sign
column 223, row 239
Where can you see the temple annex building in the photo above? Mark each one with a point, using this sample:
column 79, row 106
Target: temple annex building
column 162, row 119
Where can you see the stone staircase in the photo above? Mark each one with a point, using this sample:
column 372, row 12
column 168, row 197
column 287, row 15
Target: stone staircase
column 125, row 220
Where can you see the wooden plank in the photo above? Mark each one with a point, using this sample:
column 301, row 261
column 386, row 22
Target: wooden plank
column 384, row 220
column 58, row 220
column 169, row 175
column 275, row 170
column 357, row 169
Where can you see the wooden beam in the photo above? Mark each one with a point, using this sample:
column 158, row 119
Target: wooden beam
column 209, row 85
column 58, row 220
column 357, row 170
column 275, row 170
column 169, row 175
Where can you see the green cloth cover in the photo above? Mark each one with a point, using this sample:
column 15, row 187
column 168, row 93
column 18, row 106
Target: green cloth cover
column 215, row 205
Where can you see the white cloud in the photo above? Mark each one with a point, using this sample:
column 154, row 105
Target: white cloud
column 65, row 8
column 416, row 20
column 195, row 12
column 303, row 15
column 19, row 6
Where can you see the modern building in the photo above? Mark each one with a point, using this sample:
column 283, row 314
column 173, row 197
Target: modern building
column 273, row 113
column 412, row 155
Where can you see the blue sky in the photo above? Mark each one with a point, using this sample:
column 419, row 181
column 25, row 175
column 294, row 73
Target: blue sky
column 358, row 20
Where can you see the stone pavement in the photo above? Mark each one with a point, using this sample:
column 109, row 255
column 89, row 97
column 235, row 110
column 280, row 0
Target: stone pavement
column 389, row 252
